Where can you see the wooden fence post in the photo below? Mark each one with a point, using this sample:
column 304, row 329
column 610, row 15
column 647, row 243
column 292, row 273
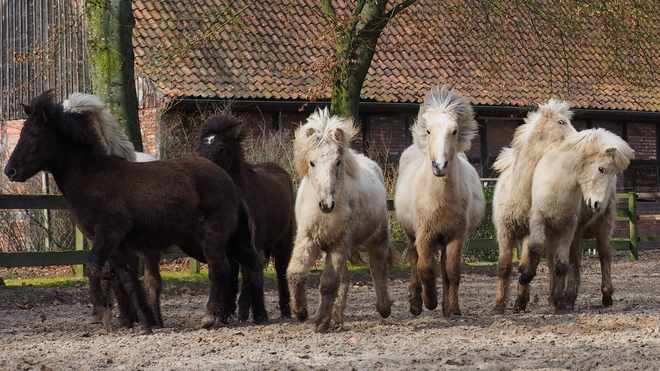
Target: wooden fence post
column 81, row 244
column 195, row 266
column 632, row 212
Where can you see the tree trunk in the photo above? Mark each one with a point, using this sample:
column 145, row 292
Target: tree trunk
column 356, row 42
column 110, row 51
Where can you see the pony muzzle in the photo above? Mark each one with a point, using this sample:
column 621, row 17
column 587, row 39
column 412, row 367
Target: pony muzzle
column 439, row 167
column 327, row 207
column 594, row 205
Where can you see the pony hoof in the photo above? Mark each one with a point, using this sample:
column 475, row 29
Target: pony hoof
column 285, row 313
column 498, row 309
column 262, row 318
column 607, row 301
column 384, row 313
column 324, row 326
column 146, row 331
column 415, row 310
column 431, row 305
column 519, row 307
column 208, row 321
column 302, row 315
column 243, row 316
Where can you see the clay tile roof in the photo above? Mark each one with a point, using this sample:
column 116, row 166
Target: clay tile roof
column 275, row 49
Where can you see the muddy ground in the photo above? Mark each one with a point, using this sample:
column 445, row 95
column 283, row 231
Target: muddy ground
column 50, row 330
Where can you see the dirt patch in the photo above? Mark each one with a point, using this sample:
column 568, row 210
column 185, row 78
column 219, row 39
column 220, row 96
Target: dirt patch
column 54, row 331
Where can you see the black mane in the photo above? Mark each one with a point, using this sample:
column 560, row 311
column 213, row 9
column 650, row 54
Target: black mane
column 221, row 124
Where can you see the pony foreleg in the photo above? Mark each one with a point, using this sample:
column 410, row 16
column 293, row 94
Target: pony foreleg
column 378, row 265
column 304, row 254
column 331, row 279
column 504, row 266
column 99, row 295
column 426, row 270
column 415, row 286
column 134, row 289
column 602, row 231
column 451, row 277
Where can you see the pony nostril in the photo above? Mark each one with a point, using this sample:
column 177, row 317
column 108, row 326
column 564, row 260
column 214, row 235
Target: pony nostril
column 596, row 205
column 10, row 172
column 434, row 165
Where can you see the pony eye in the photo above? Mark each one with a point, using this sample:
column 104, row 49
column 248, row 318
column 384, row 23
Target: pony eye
column 427, row 131
column 561, row 122
column 312, row 164
column 454, row 132
column 601, row 169
column 338, row 162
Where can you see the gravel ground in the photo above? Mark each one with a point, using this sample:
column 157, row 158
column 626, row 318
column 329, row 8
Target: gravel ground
column 51, row 330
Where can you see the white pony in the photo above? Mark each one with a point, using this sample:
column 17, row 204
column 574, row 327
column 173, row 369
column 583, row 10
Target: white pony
column 341, row 208
column 439, row 198
column 572, row 188
column 543, row 130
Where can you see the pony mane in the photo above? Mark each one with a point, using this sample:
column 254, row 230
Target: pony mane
column 552, row 108
column 111, row 136
column 597, row 141
column 321, row 127
column 221, row 124
column 505, row 160
column 449, row 100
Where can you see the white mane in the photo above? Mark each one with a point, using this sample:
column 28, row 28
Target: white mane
column 443, row 98
column 106, row 127
column 321, row 127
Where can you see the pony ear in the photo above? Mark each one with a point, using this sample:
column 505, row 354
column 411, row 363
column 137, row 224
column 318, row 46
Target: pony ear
column 310, row 132
column 610, row 151
column 26, row 109
column 339, row 135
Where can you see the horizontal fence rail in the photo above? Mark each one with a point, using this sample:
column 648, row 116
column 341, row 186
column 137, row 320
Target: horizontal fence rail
column 626, row 211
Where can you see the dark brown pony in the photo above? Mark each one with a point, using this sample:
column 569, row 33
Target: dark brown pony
column 125, row 207
column 269, row 192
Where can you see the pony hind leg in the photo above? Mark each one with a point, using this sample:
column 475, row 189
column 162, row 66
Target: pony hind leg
column 153, row 284
column 378, row 258
column 564, row 269
column 100, row 290
column 532, row 248
column 304, row 254
column 281, row 258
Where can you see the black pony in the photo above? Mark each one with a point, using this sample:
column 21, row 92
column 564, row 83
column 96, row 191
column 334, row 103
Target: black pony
column 126, row 207
column 269, row 193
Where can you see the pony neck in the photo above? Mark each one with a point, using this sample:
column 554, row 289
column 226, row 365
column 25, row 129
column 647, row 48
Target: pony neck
column 74, row 161
column 238, row 169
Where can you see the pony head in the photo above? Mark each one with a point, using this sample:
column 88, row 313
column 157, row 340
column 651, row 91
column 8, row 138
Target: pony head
column 600, row 155
column 103, row 124
column 445, row 126
column 220, row 140
column 41, row 142
column 549, row 125
column 322, row 153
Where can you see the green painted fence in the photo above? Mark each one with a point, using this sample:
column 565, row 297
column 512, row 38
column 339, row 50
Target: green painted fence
column 627, row 211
